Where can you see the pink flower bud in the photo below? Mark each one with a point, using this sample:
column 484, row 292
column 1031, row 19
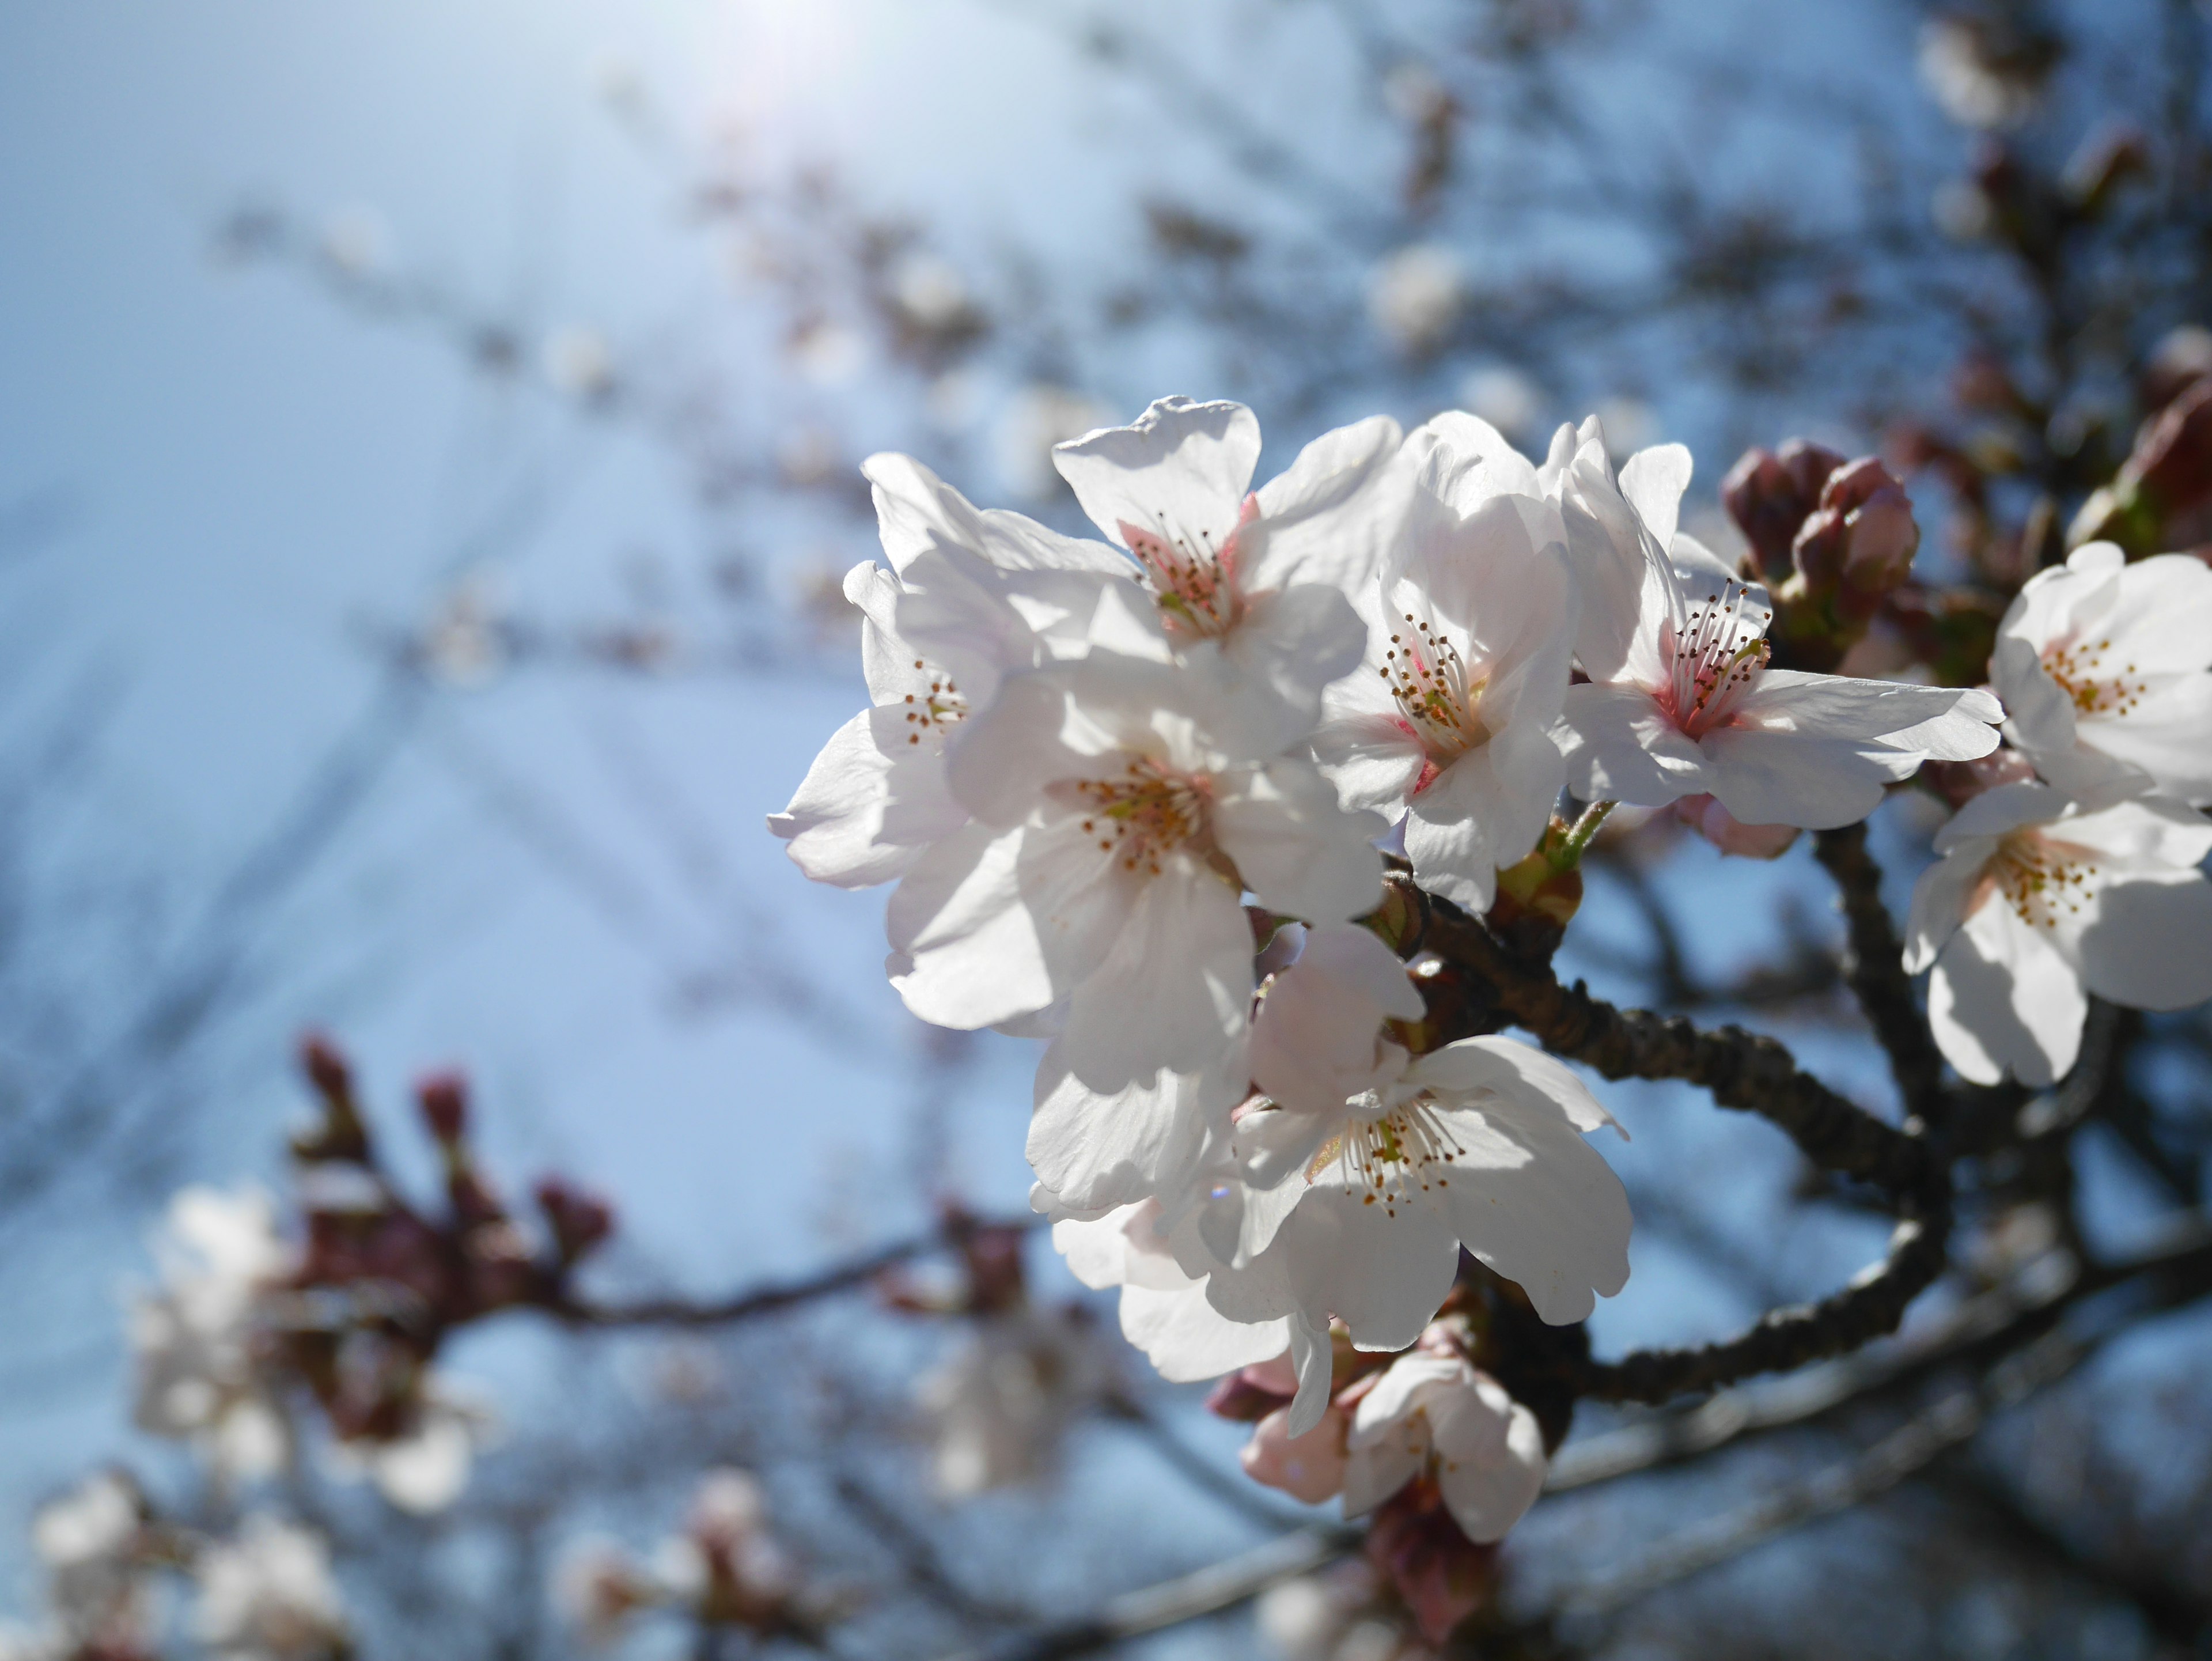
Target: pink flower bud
column 1860, row 545
column 326, row 1069
column 579, row 1220
column 1959, row 781
column 1310, row 1467
column 1238, row 1398
column 444, row 1100
column 1770, row 495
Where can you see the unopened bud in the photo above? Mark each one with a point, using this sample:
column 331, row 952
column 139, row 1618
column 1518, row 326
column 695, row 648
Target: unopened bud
column 1537, row 898
column 1959, row 781
column 2105, row 160
column 1442, row 1576
column 1239, row 1397
column 1770, row 495
column 1860, row 545
column 326, row 1069
column 579, row 1220
column 443, row 1098
column 1730, row 835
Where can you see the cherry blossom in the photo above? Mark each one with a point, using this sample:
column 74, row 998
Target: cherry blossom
column 1120, row 810
column 1260, row 577
column 1469, row 624
column 1680, row 701
column 97, row 1545
column 267, row 1594
column 997, row 1408
column 1431, row 1413
column 198, row 1376
column 1478, row 1144
column 2106, row 669
column 2039, row 902
column 971, row 596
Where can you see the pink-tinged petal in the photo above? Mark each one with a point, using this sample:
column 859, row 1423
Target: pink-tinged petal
column 1373, row 1473
column 1296, row 846
column 1373, row 759
column 2001, row 998
column 1187, row 1340
column 2147, row 941
column 1307, row 1467
column 1535, row 1202
column 1621, row 746
column 1316, row 1039
column 869, row 805
column 916, row 510
column 1409, row 1383
column 1179, row 472
column 1328, row 517
column 971, row 956
column 1785, row 778
column 1731, row 834
column 1465, row 461
column 1653, row 480
column 1486, row 1498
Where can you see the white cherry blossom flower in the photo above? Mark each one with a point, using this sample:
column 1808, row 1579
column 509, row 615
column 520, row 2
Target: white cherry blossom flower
column 1680, row 701
column 1259, row 577
column 94, row 1544
column 198, row 1376
column 2039, row 902
column 1165, row 1313
column 2106, row 670
column 1478, row 1144
column 1470, row 625
column 424, row 1469
column 267, row 1594
column 998, row 1407
column 1121, row 809
column 971, row 596
column 1433, row 1414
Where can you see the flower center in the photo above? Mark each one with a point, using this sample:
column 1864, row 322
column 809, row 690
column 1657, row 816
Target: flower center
column 1439, row 700
column 1718, row 657
column 937, row 708
column 1193, row 580
column 1390, row 1158
column 1147, row 813
column 2043, row 879
column 2095, row 687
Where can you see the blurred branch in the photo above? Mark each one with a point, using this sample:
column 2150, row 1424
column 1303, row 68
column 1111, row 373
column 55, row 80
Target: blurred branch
column 779, row 1295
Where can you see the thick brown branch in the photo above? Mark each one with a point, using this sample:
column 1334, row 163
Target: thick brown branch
column 1482, row 987
column 1874, row 970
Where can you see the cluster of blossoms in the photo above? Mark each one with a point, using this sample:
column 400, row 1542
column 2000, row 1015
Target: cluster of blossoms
column 723, row 1570
column 264, row 1591
column 1137, row 794
column 353, row 1312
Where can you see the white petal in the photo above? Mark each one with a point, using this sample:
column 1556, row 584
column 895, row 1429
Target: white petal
column 966, row 944
column 2148, row 944
column 1939, row 904
column 1995, row 811
column 916, row 510
column 1327, row 518
column 1312, row 1356
column 1943, row 723
column 1096, row 1249
column 1406, row 1384
column 1382, row 1275
column 1371, row 759
column 1294, row 643
column 1653, row 480
column 869, row 804
column 1296, row 846
column 1487, row 1498
column 1783, row 778
column 1518, row 1070
column 1187, row 1339
column 1180, row 471
column 1620, row 744
column 1173, row 991
column 2001, row 998
column 1466, row 460
column 1093, row 1148
column 1316, row 1040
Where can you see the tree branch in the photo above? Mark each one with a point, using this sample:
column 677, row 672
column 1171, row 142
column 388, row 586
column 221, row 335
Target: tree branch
column 1874, row 968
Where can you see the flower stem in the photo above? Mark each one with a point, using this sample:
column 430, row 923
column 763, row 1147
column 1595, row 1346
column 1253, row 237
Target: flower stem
column 1566, row 854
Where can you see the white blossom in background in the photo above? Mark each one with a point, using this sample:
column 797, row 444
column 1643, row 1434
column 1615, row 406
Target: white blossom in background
column 1503, row 396
column 267, row 1594
column 424, row 1469
column 1680, row 701
column 1416, row 294
column 983, row 592
column 727, row 1563
column 2105, row 671
column 2039, row 902
column 929, row 292
column 579, row 362
column 356, row 241
column 997, row 1408
column 598, row 1587
column 1122, row 807
column 1469, row 626
column 93, row 1541
column 1976, row 84
column 197, row 1377
column 1037, row 418
column 1260, row 578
